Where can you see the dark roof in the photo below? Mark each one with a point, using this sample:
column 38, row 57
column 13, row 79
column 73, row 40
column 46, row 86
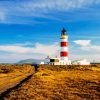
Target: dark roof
column 63, row 31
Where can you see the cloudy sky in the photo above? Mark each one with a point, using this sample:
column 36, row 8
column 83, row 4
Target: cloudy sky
column 32, row 28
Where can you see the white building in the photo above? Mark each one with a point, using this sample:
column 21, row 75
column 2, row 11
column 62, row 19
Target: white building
column 81, row 62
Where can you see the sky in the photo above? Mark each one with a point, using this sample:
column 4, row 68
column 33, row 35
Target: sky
column 32, row 29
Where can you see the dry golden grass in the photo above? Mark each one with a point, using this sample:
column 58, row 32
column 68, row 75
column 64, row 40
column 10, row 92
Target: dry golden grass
column 11, row 75
column 60, row 83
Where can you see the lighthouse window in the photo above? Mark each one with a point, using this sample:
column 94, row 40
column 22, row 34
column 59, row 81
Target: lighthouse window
column 52, row 60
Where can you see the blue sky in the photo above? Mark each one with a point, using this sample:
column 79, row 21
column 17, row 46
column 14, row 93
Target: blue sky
column 31, row 28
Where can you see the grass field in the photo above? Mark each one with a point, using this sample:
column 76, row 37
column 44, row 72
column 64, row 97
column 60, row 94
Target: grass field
column 11, row 75
column 60, row 83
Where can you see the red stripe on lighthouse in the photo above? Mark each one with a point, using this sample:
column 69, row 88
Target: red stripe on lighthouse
column 63, row 54
column 63, row 44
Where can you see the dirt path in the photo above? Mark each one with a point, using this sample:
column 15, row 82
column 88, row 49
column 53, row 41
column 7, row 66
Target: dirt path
column 8, row 83
column 15, row 76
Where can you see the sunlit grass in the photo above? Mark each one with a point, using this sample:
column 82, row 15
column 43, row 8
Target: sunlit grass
column 60, row 83
column 11, row 75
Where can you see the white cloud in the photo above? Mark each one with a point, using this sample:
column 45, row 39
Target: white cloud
column 2, row 16
column 58, row 4
column 92, row 48
column 89, row 57
column 87, row 45
column 16, row 52
column 17, row 11
column 28, row 43
column 83, row 42
column 38, row 49
column 14, row 57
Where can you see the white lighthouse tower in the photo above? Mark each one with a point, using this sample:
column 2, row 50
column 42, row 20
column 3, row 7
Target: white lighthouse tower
column 63, row 60
column 64, row 46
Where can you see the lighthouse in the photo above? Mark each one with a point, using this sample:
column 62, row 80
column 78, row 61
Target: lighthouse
column 64, row 49
column 63, row 60
column 64, row 46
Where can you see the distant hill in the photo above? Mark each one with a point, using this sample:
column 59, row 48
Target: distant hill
column 95, row 62
column 30, row 61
